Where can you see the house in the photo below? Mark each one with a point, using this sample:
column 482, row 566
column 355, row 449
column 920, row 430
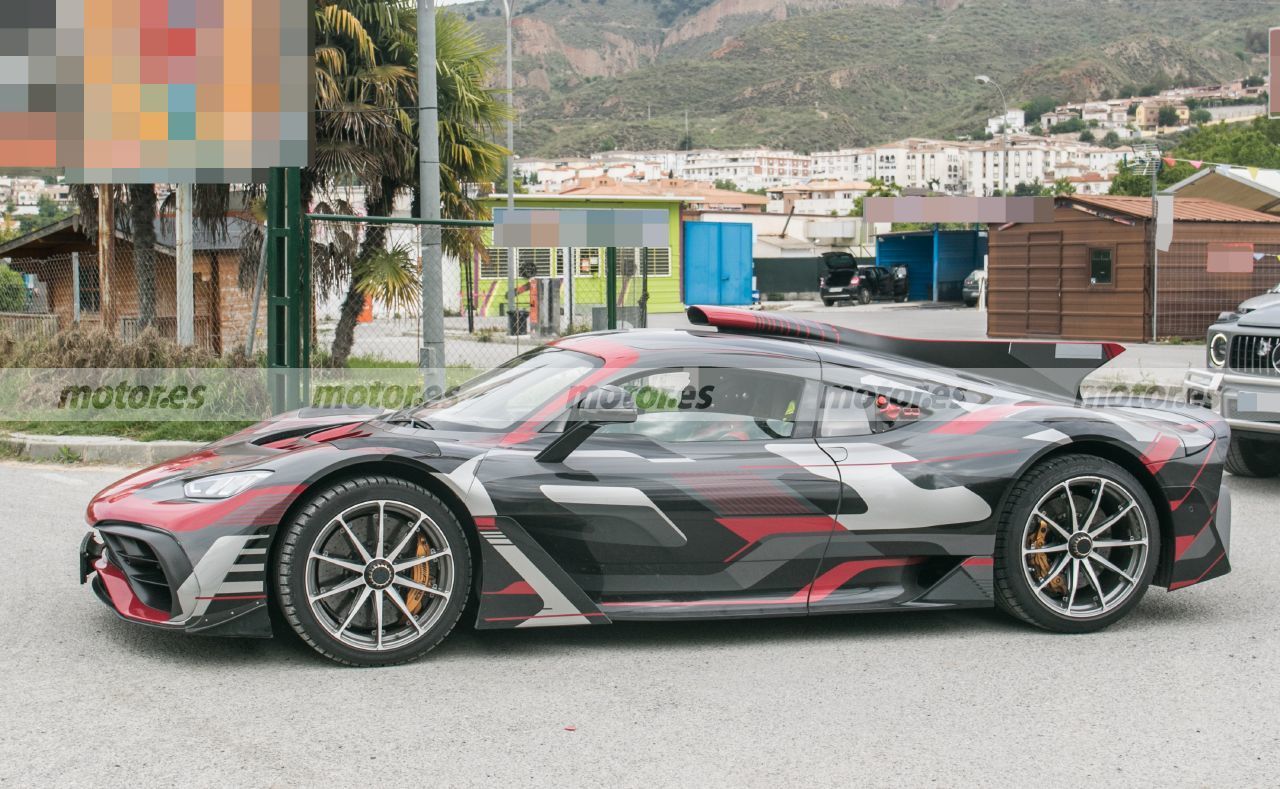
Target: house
column 1148, row 113
column 1091, row 183
column 1092, row 274
column 833, row 198
column 1050, row 119
column 76, row 288
column 660, row 277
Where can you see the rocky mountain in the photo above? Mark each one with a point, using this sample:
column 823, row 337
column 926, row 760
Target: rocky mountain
column 810, row 74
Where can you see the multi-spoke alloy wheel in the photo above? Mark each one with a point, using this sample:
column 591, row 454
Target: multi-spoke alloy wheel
column 1077, row 545
column 373, row 571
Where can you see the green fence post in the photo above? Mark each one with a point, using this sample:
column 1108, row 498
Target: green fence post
column 611, row 286
column 286, row 280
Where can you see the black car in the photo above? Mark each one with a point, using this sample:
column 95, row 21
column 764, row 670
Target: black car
column 751, row 466
column 850, row 279
column 1242, row 383
column 973, row 288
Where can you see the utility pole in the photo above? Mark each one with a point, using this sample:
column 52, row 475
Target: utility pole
column 513, row 322
column 431, row 354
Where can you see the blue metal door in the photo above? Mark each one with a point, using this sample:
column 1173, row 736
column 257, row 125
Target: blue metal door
column 717, row 263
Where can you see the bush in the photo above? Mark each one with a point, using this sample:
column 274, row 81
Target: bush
column 13, row 290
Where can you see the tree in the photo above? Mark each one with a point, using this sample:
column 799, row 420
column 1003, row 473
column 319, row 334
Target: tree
column 1039, row 106
column 878, row 189
column 13, row 291
column 726, row 184
column 1033, row 189
column 1087, row 136
column 1201, row 117
column 1063, row 186
column 1168, row 116
column 1111, row 140
column 142, row 229
column 1253, row 145
column 366, row 76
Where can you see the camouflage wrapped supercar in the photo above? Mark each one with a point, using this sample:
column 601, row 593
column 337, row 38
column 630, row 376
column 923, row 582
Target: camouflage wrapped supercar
column 750, row 466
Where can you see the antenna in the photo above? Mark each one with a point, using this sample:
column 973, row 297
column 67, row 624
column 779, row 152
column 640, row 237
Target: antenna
column 1146, row 159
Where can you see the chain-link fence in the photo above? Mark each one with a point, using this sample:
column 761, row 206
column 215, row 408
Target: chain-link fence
column 44, row 295
column 1198, row 280
column 366, row 281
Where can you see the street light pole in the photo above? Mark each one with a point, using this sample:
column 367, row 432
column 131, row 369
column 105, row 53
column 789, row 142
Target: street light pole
column 431, row 354
column 512, row 312
column 983, row 79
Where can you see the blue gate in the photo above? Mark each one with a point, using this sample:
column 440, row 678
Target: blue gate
column 717, row 263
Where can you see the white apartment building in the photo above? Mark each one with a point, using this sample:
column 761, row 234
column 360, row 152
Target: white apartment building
column 1011, row 122
column 753, row 168
column 818, row 198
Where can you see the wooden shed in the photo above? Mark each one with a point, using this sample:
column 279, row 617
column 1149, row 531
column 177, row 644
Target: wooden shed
column 1089, row 275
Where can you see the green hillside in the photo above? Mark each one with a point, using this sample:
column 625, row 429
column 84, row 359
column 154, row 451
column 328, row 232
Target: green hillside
column 621, row 73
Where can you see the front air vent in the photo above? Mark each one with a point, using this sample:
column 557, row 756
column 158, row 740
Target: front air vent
column 1255, row 355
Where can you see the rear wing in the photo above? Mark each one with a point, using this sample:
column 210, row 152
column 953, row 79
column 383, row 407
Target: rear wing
column 1054, row 368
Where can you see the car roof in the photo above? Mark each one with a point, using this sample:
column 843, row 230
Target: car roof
column 674, row 346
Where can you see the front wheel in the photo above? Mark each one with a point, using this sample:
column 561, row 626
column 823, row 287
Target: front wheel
column 1254, row 457
column 373, row 571
column 1077, row 545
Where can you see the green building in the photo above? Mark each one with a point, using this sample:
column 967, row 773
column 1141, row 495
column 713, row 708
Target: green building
column 656, row 270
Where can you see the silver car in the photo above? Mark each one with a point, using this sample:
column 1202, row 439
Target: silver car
column 1268, row 299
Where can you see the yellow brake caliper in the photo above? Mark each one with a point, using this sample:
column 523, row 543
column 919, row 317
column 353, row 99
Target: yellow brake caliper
column 1041, row 560
column 421, row 574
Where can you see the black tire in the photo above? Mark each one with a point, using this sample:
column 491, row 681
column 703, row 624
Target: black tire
column 1254, row 457
column 970, row 302
column 297, row 539
column 900, row 299
column 1013, row 589
column 864, row 296
column 828, row 302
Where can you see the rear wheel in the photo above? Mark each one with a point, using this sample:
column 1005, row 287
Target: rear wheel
column 1254, row 457
column 1077, row 545
column 373, row 571
column 828, row 302
column 864, row 296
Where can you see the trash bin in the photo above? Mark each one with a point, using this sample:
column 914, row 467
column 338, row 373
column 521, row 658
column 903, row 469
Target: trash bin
column 518, row 322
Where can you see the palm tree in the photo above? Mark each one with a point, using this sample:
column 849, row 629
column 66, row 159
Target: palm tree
column 366, row 79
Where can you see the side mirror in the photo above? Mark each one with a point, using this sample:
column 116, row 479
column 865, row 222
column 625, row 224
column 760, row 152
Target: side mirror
column 605, row 405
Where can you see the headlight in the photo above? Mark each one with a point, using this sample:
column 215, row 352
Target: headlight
column 222, row 486
column 1218, row 347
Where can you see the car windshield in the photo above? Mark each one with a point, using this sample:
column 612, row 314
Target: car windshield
column 509, row 394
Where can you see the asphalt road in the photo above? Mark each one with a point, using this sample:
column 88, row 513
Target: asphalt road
column 1183, row 693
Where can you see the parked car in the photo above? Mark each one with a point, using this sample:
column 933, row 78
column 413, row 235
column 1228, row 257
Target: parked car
column 753, row 466
column 974, row 287
column 1242, row 383
column 1268, row 299
column 854, row 281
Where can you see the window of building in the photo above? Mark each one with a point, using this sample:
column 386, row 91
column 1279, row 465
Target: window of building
column 90, row 289
column 1101, row 271
column 658, row 261
column 531, row 262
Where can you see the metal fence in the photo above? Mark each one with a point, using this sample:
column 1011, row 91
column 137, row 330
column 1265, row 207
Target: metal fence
column 365, row 280
column 67, row 290
column 1191, row 292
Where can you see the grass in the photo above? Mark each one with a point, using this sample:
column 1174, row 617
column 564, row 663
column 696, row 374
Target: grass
column 140, row 431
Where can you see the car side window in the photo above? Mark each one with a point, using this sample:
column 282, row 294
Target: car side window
column 712, row 404
column 859, row 402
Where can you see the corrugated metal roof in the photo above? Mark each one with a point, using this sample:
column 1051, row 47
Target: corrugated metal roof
column 1185, row 209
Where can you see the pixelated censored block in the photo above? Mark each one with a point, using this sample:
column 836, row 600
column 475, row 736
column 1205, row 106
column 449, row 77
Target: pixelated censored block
column 156, row 91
